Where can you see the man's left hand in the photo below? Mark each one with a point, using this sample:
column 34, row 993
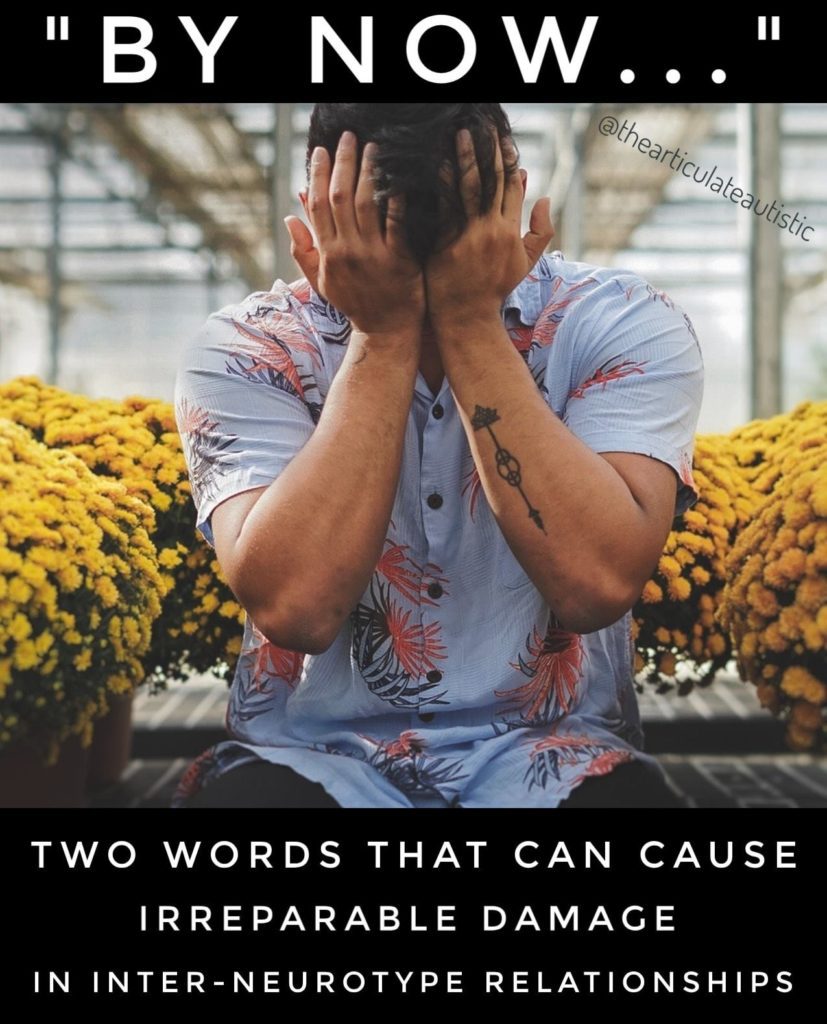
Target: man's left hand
column 470, row 278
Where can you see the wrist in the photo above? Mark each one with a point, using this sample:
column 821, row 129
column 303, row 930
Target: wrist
column 466, row 320
column 401, row 343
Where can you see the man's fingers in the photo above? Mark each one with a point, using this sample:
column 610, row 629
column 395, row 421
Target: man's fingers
column 469, row 173
column 343, row 185
column 540, row 232
column 512, row 205
column 318, row 201
column 303, row 251
column 498, row 168
column 367, row 210
column 395, row 237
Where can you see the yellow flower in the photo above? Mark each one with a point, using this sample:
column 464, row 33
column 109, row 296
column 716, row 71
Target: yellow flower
column 652, row 593
column 169, row 558
column 812, row 593
column 25, row 655
column 798, row 682
column 18, row 590
column 679, row 589
column 806, row 715
column 798, row 738
column 762, row 599
column 749, row 645
column 19, row 627
column 772, row 639
column 717, row 644
column 83, row 660
column 669, row 567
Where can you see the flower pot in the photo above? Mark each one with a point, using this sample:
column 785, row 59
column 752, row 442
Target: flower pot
column 111, row 744
column 25, row 781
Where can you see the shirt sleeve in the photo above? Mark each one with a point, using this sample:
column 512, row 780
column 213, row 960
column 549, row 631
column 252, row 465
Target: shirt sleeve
column 241, row 412
column 636, row 380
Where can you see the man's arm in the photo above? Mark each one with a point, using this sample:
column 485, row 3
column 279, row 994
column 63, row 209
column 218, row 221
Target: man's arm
column 587, row 528
column 302, row 552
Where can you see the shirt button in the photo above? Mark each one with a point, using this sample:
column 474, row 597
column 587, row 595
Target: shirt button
column 434, row 590
column 426, row 716
column 437, row 411
column 434, row 675
column 435, row 500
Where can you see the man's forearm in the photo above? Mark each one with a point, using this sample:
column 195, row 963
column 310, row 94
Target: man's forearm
column 316, row 534
column 567, row 515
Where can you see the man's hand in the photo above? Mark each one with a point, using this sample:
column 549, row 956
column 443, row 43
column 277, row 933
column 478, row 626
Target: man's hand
column 366, row 273
column 470, row 278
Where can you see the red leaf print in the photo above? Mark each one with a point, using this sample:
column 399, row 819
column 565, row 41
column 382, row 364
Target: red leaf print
column 545, row 329
column 301, row 289
column 282, row 326
column 685, row 472
column 605, row 763
column 392, row 565
column 409, row 742
column 415, row 646
column 562, row 742
column 602, row 376
column 521, row 336
column 473, row 485
column 267, row 355
column 554, row 669
column 272, row 662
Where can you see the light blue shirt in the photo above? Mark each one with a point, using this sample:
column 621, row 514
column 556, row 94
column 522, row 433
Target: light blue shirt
column 450, row 684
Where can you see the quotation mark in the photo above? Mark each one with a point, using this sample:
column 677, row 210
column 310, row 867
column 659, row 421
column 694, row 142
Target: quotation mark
column 775, row 28
column 50, row 28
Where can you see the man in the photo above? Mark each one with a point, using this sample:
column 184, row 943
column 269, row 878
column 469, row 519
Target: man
column 437, row 472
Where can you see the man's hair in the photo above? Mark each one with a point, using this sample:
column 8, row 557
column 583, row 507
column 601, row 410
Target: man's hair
column 416, row 144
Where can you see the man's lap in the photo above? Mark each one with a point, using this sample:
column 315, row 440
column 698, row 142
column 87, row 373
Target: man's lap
column 262, row 784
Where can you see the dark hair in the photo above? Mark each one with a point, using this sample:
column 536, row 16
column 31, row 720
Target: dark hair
column 416, row 142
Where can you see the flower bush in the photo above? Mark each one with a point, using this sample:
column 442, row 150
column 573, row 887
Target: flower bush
column 79, row 591
column 673, row 621
column 136, row 441
column 775, row 602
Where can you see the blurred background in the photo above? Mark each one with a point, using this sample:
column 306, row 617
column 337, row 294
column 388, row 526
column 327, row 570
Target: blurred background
column 123, row 227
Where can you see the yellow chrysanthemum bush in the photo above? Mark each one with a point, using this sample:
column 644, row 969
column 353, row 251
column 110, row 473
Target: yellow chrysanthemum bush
column 79, row 591
column 673, row 621
column 137, row 442
column 775, row 603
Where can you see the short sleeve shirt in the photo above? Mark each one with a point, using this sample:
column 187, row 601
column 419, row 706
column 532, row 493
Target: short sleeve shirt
column 451, row 683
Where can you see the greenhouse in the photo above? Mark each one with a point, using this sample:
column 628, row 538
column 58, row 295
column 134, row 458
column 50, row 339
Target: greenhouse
column 132, row 672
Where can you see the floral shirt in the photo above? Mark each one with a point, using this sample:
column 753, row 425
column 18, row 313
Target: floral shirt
column 452, row 682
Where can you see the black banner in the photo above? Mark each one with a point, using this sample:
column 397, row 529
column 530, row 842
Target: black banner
column 103, row 53
column 294, row 910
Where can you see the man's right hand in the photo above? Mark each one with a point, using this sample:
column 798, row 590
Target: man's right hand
column 366, row 273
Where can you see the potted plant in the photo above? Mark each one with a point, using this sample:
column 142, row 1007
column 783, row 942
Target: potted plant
column 79, row 590
column 775, row 602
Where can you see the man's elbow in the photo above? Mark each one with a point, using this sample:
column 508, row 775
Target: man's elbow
column 294, row 628
column 596, row 604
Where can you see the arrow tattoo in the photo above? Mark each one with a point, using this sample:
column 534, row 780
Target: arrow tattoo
column 507, row 466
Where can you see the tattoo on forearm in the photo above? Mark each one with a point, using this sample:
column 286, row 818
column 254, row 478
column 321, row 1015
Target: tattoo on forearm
column 507, row 466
